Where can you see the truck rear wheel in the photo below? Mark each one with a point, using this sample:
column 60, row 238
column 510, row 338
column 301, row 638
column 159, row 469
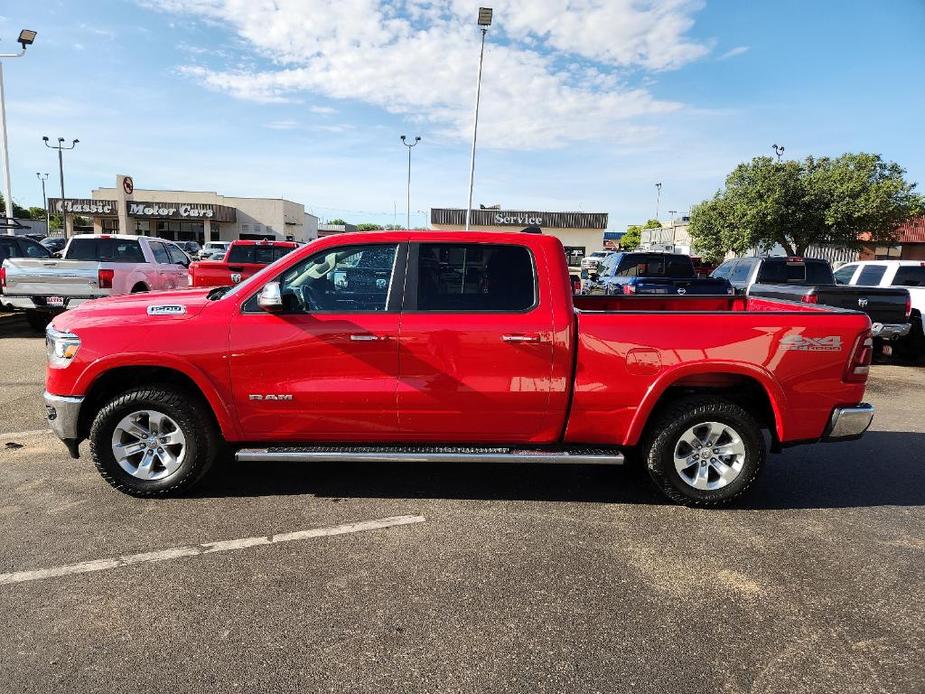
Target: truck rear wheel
column 153, row 441
column 704, row 451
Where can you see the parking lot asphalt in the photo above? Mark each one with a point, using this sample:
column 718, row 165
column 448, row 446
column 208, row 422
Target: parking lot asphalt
column 524, row 579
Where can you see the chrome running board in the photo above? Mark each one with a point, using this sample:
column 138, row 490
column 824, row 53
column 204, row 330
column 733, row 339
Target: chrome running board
column 432, row 454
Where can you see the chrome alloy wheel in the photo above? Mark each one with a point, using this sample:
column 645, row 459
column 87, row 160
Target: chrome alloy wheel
column 148, row 445
column 709, row 455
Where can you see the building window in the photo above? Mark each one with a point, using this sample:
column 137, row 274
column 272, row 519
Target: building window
column 245, row 228
column 142, row 227
column 109, row 225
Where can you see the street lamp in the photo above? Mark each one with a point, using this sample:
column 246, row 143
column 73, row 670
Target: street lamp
column 410, row 147
column 61, row 147
column 485, row 14
column 779, row 151
column 44, row 177
column 26, row 38
column 658, row 198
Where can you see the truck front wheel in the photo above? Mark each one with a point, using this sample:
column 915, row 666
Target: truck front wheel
column 704, row 451
column 153, row 441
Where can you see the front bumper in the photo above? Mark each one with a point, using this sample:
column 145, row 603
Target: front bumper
column 63, row 413
column 849, row 423
column 890, row 331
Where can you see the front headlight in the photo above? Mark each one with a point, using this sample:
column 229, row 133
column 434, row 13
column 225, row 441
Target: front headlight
column 61, row 347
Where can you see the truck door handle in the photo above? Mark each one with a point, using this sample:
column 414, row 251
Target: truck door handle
column 522, row 338
column 369, row 338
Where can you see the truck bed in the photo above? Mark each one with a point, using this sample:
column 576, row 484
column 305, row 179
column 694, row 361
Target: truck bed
column 632, row 348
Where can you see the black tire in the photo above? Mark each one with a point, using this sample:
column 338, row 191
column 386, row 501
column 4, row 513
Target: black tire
column 38, row 320
column 912, row 346
column 202, row 441
column 665, row 436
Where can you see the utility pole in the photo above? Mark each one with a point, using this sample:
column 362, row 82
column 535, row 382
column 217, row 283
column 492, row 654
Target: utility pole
column 658, row 198
column 44, row 177
column 410, row 147
column 61, row 147
column 485, row 14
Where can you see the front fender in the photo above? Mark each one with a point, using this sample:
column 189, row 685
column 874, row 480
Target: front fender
column 226, row 418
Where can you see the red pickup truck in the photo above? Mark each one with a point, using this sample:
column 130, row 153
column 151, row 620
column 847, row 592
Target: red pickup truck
column 243, row 259
column 450, row 346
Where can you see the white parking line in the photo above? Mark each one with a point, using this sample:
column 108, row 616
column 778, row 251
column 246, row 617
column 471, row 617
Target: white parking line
column 205, row 548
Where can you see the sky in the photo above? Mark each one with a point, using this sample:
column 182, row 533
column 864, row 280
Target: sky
column 586, row 104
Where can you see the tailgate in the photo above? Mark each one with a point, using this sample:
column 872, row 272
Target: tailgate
column 51, row 277
column 881, row 304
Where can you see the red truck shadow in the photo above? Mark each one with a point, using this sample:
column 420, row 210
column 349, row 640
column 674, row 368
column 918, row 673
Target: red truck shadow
column 882, row 469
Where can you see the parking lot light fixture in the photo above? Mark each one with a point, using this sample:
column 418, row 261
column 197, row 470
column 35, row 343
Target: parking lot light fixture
column 26, row 38
column 410, row 146
column 61, row 147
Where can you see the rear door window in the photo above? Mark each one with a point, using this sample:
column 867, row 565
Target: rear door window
column 8, row 249
column 160, row 253
column 871, row 275
column 742, row 271
column 910, row 276
column 475, row 277
column 844, row 274
column 177, row 257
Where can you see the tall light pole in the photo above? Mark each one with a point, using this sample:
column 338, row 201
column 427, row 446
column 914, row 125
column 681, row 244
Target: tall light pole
column 26, row 38
column 410, row 147
column 484, row 22
column 44, row 177
column 61, row 147
column 779, row 151
column 658, row 198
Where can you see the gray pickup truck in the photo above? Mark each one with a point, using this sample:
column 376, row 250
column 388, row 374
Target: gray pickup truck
column 94, row 266
column 811, row 280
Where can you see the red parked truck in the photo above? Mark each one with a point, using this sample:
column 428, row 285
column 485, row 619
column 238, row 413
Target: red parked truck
column 450, row 346
column 242, row 259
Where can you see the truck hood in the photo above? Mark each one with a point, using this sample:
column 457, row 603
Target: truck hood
column 137, row 308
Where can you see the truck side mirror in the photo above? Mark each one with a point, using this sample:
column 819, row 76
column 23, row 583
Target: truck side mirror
column 270, row 298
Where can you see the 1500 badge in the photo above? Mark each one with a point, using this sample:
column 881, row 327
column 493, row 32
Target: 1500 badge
column 801, row 343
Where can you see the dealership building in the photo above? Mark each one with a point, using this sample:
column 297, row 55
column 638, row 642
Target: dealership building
column 187, row 215
column 580, row 232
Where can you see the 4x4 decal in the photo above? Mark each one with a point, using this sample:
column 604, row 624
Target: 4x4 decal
column 801, row 343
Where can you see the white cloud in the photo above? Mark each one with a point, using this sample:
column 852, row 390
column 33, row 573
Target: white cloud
column 322, row 110
column 555, row 70
column 733, row 52
column 282, row 125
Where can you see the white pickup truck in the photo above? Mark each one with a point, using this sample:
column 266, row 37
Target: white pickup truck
column 909, row 274
column 93, row 266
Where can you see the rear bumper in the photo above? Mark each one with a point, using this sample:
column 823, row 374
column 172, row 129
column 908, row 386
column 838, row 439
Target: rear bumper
column 25, row 303
column 849, row 422
column 890, row 331
column 63, row 413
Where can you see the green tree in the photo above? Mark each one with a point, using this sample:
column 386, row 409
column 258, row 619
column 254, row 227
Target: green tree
column 367, row 226
column 796, row 204
column 18, row 211
column 633, row 236
column 337, row 222
column 37, row 213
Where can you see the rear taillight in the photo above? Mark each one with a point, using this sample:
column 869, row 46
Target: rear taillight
column 2, row 277
column 104, row 279
column 861, row 357
column 908, row 306
column 810, row 299
column 629, row 289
